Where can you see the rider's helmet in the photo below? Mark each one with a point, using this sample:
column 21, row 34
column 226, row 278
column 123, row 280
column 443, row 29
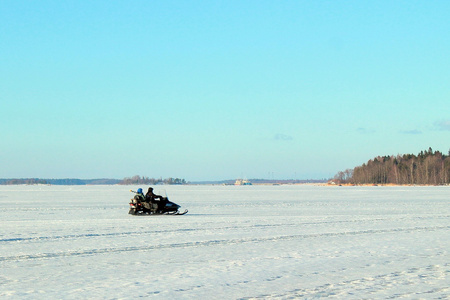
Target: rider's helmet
column 139, row 191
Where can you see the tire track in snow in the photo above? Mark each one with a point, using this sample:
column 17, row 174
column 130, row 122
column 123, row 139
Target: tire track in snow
column 131, row 233
column 211, row 243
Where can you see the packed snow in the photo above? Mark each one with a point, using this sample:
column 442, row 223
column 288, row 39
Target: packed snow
column 236, row 242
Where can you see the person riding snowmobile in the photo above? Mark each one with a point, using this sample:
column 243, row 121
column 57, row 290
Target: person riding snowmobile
column 151, row 197
column 140, row 198
column 140, row 195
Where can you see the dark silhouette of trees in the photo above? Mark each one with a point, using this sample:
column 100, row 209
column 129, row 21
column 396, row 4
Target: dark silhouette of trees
column 74, row 181
column 428, row 167
column 23, row 181
column 152, row 181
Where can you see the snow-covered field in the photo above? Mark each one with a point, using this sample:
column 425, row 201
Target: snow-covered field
column 244, row 242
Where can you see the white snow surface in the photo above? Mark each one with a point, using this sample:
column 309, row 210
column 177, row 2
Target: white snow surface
column 236, row 242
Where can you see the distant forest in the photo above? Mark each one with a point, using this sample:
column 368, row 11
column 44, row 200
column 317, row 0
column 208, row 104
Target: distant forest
column 74, row 181
column 427, row 167
column 146, row 180
column 65, row 181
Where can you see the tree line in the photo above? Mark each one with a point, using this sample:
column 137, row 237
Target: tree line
column 102, row 181
column 427, row 167
column 151, row 181
column 18, row 181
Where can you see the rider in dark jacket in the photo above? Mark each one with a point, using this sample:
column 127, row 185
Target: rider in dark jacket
column 151, row 197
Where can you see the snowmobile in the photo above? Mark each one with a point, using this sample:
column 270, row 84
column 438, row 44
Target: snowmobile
column 139, row 206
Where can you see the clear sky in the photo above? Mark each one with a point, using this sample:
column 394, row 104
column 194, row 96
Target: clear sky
column 210, row 90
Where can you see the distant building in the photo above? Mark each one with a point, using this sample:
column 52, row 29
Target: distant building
column 242, row 182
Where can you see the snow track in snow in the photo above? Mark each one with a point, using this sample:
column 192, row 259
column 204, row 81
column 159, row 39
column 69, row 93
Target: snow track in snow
column 197, row 244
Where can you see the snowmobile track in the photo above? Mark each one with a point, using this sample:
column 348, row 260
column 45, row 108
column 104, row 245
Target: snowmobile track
column 89, row 252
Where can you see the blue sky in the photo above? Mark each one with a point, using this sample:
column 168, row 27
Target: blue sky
column 209, row 90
